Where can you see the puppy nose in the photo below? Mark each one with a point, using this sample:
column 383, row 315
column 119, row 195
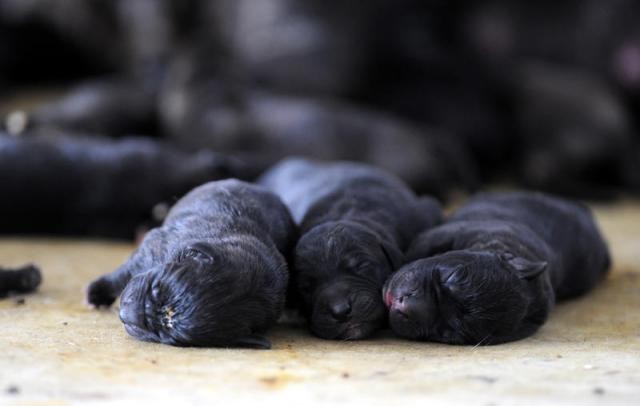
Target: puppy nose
column 401, row 304
column 130, row 315
column 341, row 310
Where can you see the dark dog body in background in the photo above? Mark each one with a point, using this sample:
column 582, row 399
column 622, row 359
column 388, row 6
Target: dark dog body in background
column 449, row 81
column 494, row 270
column 19, row 280
column 576, row 136
column 89, row 185
column 112, row 107
column 269, row 126
column 213, row 275
column 355, row 221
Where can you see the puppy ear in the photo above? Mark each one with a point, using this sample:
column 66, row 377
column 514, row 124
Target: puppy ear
column 393, row 254
column 524, row 268
column 254, row 341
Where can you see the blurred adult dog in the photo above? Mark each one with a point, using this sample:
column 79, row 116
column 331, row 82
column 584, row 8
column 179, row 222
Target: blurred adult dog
column 214, row 274
column 355, row 221
column 69, row 184
column 494, row 270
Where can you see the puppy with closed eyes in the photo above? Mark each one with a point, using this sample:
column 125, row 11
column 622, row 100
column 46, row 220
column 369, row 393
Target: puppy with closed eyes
column 493, row 271
column 355, row 221
column 214, row 274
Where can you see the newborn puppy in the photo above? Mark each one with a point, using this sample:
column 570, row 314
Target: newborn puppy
column 355, row 221
column 93, row 186
column 494, row 270
column 214, row 274
column 20, row 280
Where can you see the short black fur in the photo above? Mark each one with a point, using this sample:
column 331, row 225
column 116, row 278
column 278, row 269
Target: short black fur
column 355, row 221
column 495, row 269
column 214, row 274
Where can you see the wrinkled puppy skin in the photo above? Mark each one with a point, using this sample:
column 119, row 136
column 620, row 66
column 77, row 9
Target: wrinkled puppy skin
column 214, row 274
column 355, row 221
column 94, row 186
column 495, row 269
column 25, row 279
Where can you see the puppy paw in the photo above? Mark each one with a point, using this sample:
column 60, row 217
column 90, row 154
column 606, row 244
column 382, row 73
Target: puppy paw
column 100, row 293
column 30, row 278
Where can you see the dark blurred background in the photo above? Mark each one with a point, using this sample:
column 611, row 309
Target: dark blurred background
column 112, row 109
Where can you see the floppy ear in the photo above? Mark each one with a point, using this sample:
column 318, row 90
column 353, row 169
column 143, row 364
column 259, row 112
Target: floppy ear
column 393, row 254
column 524, row 268
column 254, row 341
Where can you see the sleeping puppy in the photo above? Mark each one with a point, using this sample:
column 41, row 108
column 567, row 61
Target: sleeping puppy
column 20, row 280
column 214, row 274
column 355, row 221
column 94, row 186
column 494, row 270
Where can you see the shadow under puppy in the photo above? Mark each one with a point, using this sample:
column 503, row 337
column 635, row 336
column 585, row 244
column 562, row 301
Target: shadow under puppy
column 355, row 221
column 214, row 274
column 494, row 270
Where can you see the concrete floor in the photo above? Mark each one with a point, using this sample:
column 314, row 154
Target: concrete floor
column 57, row 351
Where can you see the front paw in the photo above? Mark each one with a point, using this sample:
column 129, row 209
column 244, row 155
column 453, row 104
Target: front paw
column 30, row 278
column 100, row 293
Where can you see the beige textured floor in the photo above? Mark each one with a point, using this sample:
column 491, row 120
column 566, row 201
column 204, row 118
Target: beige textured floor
column 54, row 350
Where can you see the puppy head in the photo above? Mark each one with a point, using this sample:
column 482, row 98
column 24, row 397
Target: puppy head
column 210, row 294
column 341, row 267
column 462, row 297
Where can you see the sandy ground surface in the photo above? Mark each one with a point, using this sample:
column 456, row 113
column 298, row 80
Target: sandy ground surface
column 55, row 350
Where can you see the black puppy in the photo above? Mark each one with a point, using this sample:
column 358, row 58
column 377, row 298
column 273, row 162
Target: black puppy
column 213, row 275
column 494, row 270
column 20, row 280
column 89, row 185
column 355, row 221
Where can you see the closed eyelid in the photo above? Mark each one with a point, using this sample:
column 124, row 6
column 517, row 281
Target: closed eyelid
column 447, row 278
column 358, row 264
column 196, row 253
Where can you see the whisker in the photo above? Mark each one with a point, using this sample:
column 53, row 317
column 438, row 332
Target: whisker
column 481, row 341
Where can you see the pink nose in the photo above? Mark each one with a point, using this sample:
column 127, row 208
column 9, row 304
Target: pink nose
column 388, row 299
column 398, row 304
